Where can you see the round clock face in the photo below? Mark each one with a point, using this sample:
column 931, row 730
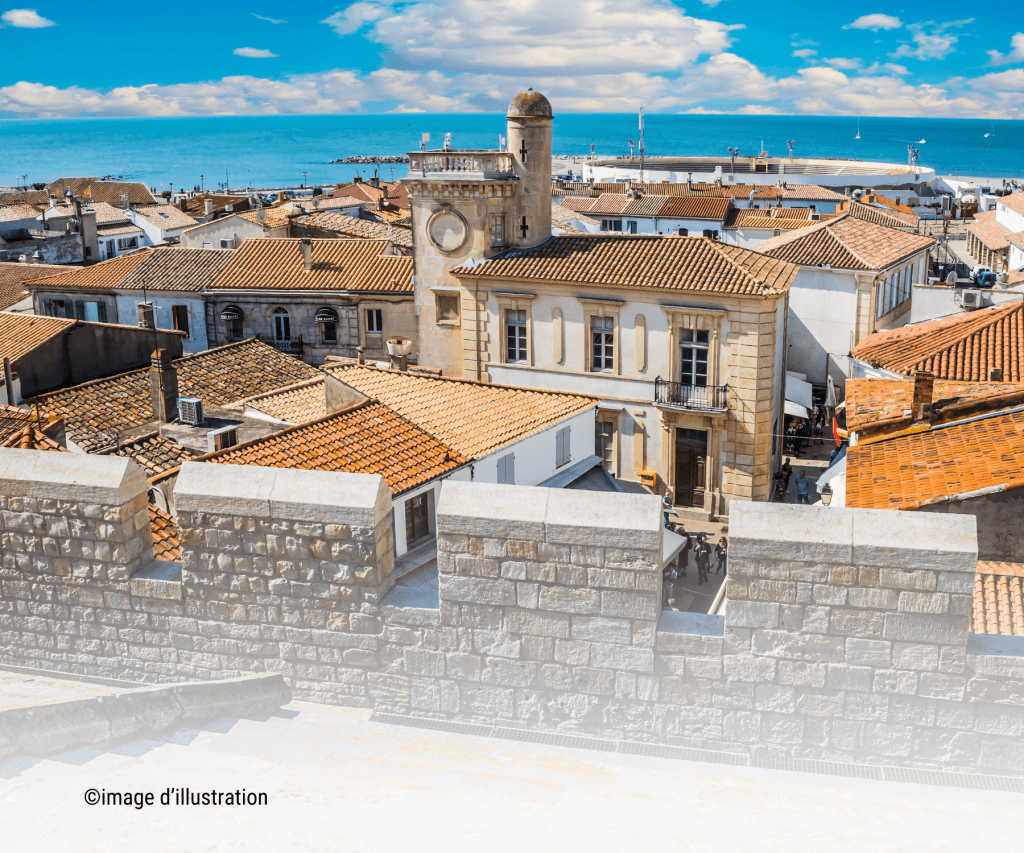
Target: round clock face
column 447, row 230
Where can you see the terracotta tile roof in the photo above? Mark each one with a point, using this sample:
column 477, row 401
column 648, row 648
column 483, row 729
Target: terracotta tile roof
column 13, row 276
column 117, row 229
column 613, row 203
column 177, row 269
column 846, row 243
column 328, row 220
column 991, row 233
column 312, row 205
column 645, row 205
column 106, row 214
column 293, row 404
column 22, row 333
column 165, row 536
column 368, row 438
column 105, row 275
column 911, row 471
column 96, row 412
column 690, row 207
column 39, row 197
column 337, row 264
column 29, row 438
column 770, row 218
column 998, row 599
column 196, row 205
column 1014, row 201
column 13, row 421
column 965, row 347
column 674, row 264
column 1017, row 239
column 397, row 194
column 17, row 211
column 93, row 189
column 870, row 213
column 873, row 403
column 167, row 217
column 155, row 454
column 579, row 203
column 473, row 417
column 269, row 217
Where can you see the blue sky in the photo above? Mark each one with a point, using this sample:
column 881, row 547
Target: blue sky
column 734, row 56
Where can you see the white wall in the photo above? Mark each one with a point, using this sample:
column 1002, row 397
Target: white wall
column 233, row 228
column 1008, row 218
column 822, row 319
column 197, row 341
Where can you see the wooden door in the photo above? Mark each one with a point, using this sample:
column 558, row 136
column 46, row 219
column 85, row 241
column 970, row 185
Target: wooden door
column 691, row 459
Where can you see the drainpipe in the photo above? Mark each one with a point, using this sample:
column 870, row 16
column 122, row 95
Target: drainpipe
column 8, row 382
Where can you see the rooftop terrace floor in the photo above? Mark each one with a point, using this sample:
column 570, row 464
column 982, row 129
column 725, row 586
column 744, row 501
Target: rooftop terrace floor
column 337, row 781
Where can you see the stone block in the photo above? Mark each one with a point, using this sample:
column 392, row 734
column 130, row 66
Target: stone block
column 752, row 614
column 749, row 668
column 938, row 685
column 569, row 600
column 781, row 728
column 632, row 605
column 527, row 595
column 843, row 676
column 509, row 673
column 864, row 652
column 866, row 706
column 856, row 623
column 774, row 697
column 923, row 602
column 771, row 590
column 921, row 581
column 801, row 673
column 925, row 628
column 491, row 510
column 927, row 541
column 601, row 629
column 877, row 598
column 828, row 594
column 496, row 644
column 536, row 623
column 820, row 703
column 887, row 739
column 37, row 475
column 794, row 645
column 769, row 531
column 629, row 658
column 946, row 748
column 917, row 656
column 895, row 681
column 476, row 590
column 610, row 520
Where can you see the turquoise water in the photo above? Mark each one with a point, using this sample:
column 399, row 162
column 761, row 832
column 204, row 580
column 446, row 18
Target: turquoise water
column 276, row 151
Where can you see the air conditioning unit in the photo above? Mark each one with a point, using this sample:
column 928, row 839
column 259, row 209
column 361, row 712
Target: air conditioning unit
column 970, row 299
column 190, row 410
column 221, row 439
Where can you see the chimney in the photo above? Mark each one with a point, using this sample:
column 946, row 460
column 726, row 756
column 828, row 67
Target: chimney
column 8, row 382
column 995, row 374
column 163, row 387
column 53, row 201
column 924, row 383
column 306, row 249
column 357, row 180
column 183, row 204
column 208, row 207
column 360, row 355
column 147, row 319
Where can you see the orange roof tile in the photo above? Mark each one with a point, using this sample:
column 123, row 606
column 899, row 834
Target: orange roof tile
column 1014, row 201
column 293, row 404
column 998, row 599
column 770, row 218
column 965, row 347
column 22, row 333
column 339, row 264
column 165, row 536
column 155, row 454
column 105, row 275
column 690, row 264
column 167, row 217
column 695, row 207
column 29, row 438
column 991, row 233
column 368, row 438
column 872, row 403
column 14, row 275
column 610, row 203
column 473, row 417
column 97, row 412
column 93, row 189
column 13, row 420
column 846, row 243
column 177, row 269
column 17, row 211
column 329, row 220
column 196, row 205
column 870, row 213
column 956, row 459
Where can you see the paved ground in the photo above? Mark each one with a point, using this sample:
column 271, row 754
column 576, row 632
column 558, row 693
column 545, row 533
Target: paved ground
column 18, row 690
column 336, row 782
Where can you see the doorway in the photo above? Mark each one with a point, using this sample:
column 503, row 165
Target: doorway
column 691, row 460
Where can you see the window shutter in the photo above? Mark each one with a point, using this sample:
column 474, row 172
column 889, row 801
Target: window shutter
column 501, row 469
column 47, row 307
column 101, row 311
column 79, row 309
column 510, row 468
column 69, row 310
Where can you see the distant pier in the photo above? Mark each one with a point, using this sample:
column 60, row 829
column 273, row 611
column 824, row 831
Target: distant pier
column 394, row 158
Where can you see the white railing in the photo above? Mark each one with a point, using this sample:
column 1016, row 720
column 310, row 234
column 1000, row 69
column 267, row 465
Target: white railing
column 490, row 163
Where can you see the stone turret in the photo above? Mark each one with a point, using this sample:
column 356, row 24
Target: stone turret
column 529, row 142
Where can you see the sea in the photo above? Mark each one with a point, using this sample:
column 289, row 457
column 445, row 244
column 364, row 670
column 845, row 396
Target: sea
column 289, row 151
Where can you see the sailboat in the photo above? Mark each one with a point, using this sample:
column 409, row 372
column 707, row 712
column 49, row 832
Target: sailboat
column 858, row 130
column 992, row 132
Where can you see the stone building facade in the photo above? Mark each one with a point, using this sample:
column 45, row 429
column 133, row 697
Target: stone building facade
column 845, row 634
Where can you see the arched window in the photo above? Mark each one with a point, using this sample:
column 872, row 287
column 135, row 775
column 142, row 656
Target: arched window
column 327, row 320
column 233, row 322
column 282, row 325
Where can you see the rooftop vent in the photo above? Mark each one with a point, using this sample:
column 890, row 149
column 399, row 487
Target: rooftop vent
column 970, row 299
column 221, row 439
column 190, row 410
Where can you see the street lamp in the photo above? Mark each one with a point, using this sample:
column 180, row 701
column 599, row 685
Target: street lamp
column 202, row 185
column 303, row 180
column 826, row 494
column 733, row 154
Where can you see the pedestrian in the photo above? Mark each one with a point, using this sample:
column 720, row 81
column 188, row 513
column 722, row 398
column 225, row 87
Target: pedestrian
column 684, row 555
column 721, row 551
column 666, row 507
column 702, row 559
column 787, row 472
column 803, row 485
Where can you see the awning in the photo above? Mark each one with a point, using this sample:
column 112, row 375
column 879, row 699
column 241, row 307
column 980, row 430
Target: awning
column 232, row 313
column 799, row 391
column 671, row 544
column 836, row 469
column 326, row 315
column 796, row 410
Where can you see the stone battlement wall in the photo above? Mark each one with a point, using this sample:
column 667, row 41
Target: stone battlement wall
column 844, row 637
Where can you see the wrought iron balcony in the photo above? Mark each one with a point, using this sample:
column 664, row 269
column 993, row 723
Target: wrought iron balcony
column 292, row 346
column 700, row 398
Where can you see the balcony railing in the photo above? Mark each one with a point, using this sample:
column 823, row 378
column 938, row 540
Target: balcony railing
column 475, row 164
column 292, row 346
column 702, row 398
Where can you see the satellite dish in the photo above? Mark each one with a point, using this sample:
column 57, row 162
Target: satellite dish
column 951, row 279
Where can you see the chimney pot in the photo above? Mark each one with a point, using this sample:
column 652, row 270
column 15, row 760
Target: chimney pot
column 924, row 384
column 183, row 204
column 306, row 249
column 208, row 207
column 995, row 374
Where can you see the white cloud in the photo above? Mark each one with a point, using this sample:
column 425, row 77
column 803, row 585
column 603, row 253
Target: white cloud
column 843, row 63
column 805, row 53
column 268, row 20
column 26, row 18
column 875, row 22
column 1016, row 53
column 254, row 53
column 536, row 36
column 1003, row 82
column 931, row 40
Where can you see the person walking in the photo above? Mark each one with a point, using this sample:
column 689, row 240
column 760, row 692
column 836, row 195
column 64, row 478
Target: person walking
column 787, row 472
column 702, row 559
column 721, row 551
column 666, row 507
column 803, row 486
